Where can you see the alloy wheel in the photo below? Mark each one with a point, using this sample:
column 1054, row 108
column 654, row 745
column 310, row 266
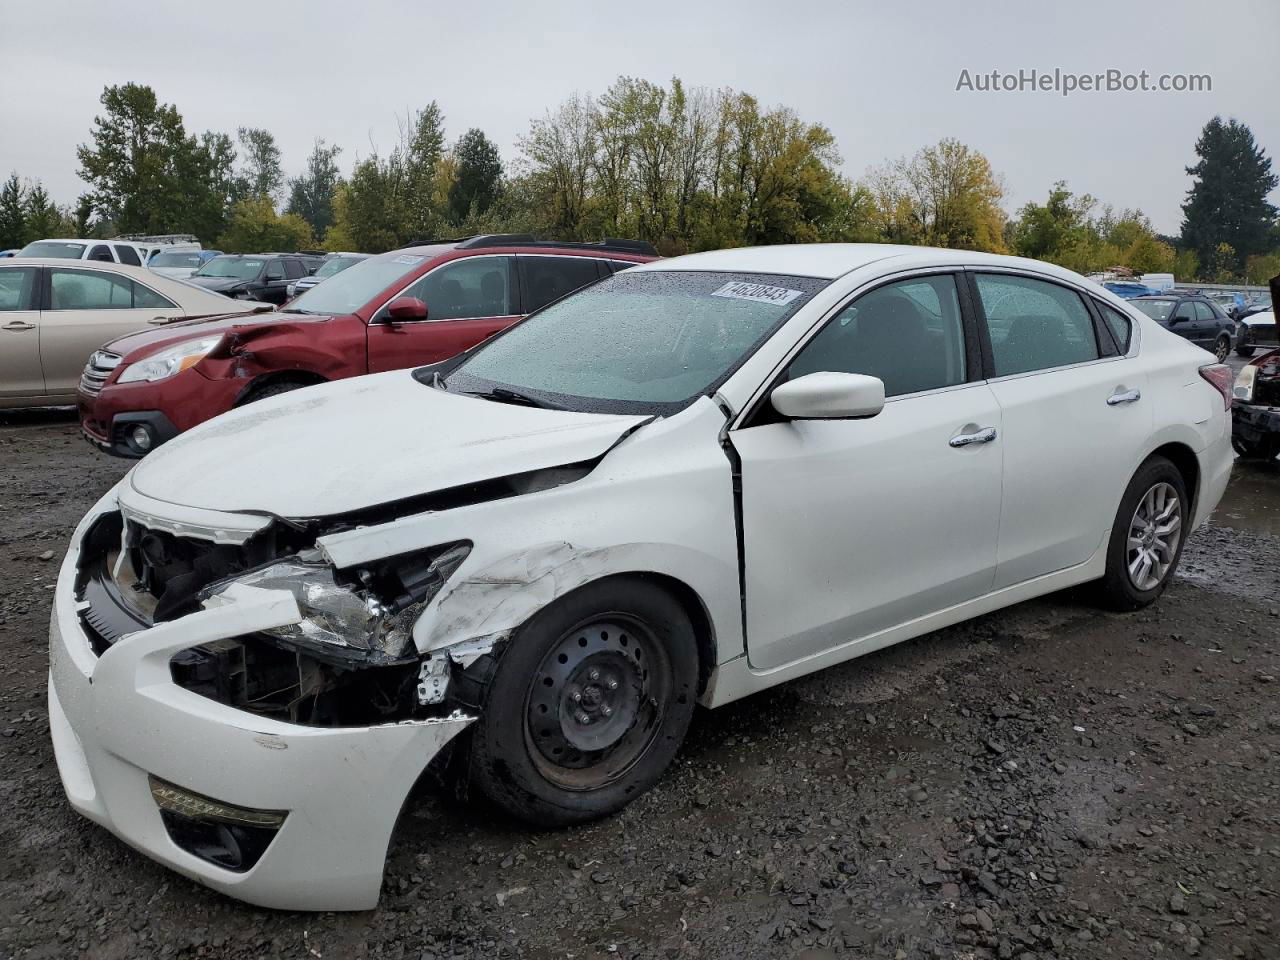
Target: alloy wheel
column 1154, row 534
column 1224, row 348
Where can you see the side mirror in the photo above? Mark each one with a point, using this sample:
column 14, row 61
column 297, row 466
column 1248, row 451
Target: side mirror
column 406, row 308
column 829, row 396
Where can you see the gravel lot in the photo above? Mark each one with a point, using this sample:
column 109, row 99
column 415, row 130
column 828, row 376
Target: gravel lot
column 1049, row 781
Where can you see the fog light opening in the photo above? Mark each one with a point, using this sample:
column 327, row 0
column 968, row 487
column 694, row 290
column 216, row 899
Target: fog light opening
column 231, row 837
column 140, row 437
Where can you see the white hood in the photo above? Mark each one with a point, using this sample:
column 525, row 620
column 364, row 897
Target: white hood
column 363, row 442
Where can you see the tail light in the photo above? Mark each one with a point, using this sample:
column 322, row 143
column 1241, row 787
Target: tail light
column 1220, row 378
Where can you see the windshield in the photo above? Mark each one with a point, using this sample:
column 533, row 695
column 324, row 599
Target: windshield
column 53, row 248
column 648, row 341
column 1156, row 309
column 242, row 268
column 353, row 288
column 175, row 260
column 336, row 265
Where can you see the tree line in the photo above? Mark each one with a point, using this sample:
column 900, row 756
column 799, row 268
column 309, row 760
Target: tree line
column 685, row 168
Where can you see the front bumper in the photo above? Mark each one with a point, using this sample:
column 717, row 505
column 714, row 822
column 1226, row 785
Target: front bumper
column 1253, row 423
column 118, row 718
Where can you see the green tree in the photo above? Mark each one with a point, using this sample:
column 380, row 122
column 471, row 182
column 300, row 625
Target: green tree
column 13, row 214
column 254, row 227
column 1262, row 267
column 44, row 219
column 477, row 176
column 1186, row 265
column 260, row 174
column 311, row 195
column 1043, row 231
column 1227, row 203
column 946, row 195
column 131, row 162
column 410, row 175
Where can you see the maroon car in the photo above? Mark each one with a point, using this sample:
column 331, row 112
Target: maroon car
column 406, row 308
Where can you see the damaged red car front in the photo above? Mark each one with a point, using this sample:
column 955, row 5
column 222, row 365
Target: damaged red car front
column 1255, row 408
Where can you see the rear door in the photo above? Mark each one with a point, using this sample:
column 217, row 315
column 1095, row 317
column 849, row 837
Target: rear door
column 87, row 308
column 1074, row 417
column 20, row 374
column 468, row 300
column 1207, row 325
column 545, row 279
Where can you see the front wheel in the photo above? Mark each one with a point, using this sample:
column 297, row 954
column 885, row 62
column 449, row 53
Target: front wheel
column 588, row 704
column 1222, row 348
column 1146, row 537
column 1244, row 350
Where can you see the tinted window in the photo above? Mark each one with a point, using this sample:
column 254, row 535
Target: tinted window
column 1121, row 326
column 128, row 255
column 1205, row 312
column 621, row 265
column 275, row 270
column 103, row 253
column 293, row 269
column 53, row 248
column 89, row 290
column 909, row 334
column 639, row 341
column 16, row 285
column 544, row 279
column 1156, row 309
column 476, row 287
column 1034, row 325
column 145, row 297
column 1186, row 311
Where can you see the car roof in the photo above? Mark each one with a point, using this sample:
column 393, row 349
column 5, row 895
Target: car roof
column 828, row 261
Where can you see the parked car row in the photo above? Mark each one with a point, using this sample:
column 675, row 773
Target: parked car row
column 693, row 480
column 405, row 308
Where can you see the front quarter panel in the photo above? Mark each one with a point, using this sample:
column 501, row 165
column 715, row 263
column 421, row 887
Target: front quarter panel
column 661, row 503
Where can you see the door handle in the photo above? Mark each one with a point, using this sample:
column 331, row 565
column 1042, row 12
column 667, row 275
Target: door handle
column 19, row 325
column 1124, row 396
column 985, row 435
column 158, row 320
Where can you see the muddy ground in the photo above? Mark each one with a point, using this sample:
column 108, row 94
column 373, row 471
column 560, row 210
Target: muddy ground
column 1048, row 781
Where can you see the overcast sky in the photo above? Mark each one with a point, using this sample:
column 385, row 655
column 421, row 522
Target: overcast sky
column 881, row 76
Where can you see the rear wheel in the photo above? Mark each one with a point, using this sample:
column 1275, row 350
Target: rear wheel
column 1146, row 536
column 1244, row 350
column 1222, row 348
column 587, row 706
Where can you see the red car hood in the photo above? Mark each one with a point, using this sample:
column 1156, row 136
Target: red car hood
column 134, row 346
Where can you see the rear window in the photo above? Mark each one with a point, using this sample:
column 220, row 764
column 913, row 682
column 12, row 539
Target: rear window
column 53, row 248
column 1156, row 309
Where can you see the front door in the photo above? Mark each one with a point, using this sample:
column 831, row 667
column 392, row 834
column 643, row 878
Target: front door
column 20, row 374
column 851, row 527
column 467, row 300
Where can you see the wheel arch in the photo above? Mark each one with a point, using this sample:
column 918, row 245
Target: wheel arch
column 1187, row 464
column 304, row 378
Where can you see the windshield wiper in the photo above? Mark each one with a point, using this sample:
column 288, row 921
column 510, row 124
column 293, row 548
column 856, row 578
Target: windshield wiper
column 507, row 395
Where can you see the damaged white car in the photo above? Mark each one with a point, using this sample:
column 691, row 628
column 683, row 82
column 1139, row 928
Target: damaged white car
column 691, row 481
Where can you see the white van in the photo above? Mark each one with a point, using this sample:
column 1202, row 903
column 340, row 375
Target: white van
column 1159, row 282
column 106, row 251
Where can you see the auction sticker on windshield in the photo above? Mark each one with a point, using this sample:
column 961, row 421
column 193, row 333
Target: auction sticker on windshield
column 760, row 292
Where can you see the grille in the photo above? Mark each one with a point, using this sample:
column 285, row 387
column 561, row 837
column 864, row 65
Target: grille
column 97, row 370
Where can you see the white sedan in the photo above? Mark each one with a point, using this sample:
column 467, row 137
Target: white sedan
column 54, row 313
column 692, row 481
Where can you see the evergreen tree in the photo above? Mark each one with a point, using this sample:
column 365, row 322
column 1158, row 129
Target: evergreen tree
column 311, row 195
column 13, row 214
column 1227, row 203
column 478, row 176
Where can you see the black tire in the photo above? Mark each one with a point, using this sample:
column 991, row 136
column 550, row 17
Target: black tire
column 1244, row 350
column 1222, row 348
column 1117, row 589
column 527, row 707
column 273, row 389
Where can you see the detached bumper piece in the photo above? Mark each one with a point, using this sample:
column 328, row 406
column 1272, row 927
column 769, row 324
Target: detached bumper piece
column 1254, row 423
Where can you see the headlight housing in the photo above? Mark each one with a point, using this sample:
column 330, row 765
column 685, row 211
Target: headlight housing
column 1243, row 389
column 165, row 363
column 370, row 619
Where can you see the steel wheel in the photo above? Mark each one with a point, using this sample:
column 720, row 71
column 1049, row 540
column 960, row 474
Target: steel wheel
column 1224, row 348
column 1154, row 534
column 597, row 701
